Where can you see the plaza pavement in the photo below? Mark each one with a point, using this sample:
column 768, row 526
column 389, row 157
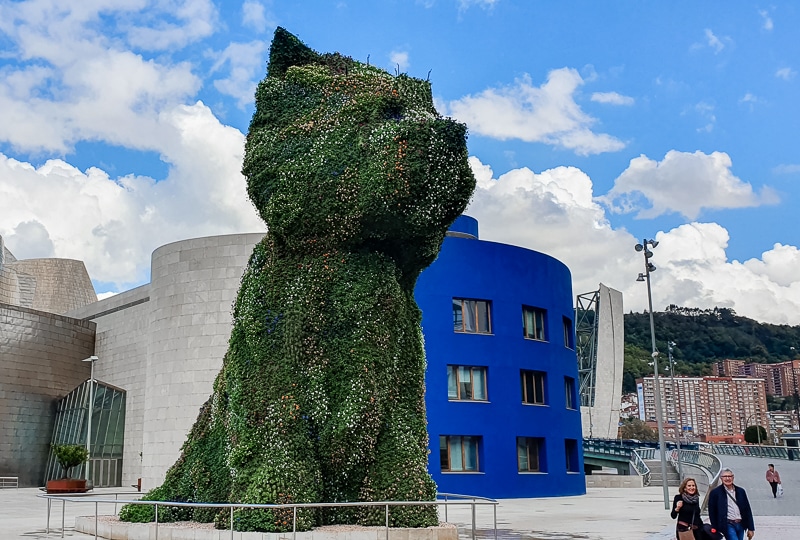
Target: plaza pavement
column 603, row 513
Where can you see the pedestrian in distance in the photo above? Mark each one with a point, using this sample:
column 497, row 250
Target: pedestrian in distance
column 729, row 509
column 686, row 507
column 774, row 479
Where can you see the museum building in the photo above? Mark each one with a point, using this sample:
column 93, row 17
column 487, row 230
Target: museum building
column 501, row 380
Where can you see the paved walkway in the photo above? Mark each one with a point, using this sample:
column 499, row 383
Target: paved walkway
column 612, row 514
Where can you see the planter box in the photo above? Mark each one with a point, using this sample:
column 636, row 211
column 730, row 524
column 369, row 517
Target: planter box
column 67, row 485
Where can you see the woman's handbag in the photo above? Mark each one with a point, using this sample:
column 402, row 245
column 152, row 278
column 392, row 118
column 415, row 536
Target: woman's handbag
column 779, row 491
column 686, row 530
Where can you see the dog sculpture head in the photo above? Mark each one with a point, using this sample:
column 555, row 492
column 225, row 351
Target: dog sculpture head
column 343, row 155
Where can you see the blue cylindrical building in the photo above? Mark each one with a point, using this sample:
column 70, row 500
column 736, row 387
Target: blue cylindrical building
column 501, row 382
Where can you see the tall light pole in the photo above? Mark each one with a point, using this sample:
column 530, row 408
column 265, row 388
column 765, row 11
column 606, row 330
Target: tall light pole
column 92, row 359
column 675, row 397
column 648, row 268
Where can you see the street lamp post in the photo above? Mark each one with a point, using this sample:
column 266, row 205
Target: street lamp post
column 648, row 268
column 92, row 359
column 675, row 397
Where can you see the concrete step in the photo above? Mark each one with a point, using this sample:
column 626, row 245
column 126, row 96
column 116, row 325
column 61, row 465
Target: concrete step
column 656, row 478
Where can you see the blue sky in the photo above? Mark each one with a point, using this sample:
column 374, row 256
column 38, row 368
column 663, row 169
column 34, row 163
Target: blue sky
column 592, row 125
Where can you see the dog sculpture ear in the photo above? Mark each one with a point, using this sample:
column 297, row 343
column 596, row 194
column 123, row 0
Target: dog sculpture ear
column 287, row 51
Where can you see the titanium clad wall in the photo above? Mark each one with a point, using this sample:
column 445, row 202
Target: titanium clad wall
column 193, row 286
column 53, row 285
column 510, row 278
column 123, row 323
column 41, row 361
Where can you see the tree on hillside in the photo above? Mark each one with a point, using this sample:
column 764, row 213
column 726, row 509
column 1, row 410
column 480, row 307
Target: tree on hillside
column 633, row 428
column 755, row 434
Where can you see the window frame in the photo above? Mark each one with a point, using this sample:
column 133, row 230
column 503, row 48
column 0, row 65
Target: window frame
column 569, row 394
column 531, row 442
column 569, row 333
column 456, row 369
column 538, row 376
column 472, row 305
column 571, row 455
column 476, row 443
column 539, row 320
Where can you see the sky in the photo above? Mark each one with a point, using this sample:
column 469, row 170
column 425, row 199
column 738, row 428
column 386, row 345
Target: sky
column 592, row 126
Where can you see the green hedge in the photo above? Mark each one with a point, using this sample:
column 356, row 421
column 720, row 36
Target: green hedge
column 321, row 395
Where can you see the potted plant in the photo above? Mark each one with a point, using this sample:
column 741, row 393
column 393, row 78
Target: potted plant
column 68, row 456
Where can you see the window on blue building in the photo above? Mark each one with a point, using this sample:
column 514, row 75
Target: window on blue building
column 569, row 392
column 459, row 453
column 466, row 383
column 569, row 335
column 530, row 454
column 472, row 316
column 533, row 323
column 533, row 387
column 571, row 451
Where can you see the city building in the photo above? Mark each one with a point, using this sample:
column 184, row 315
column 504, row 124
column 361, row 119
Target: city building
column 782, row 422
column 705, row 406
column 498, row 320
column 781, row 379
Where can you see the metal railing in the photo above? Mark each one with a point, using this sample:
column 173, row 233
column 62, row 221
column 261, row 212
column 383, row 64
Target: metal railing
column 709, row 462
column 638, row 464
column 777, row 452
column 443, row 499
column 9, row 481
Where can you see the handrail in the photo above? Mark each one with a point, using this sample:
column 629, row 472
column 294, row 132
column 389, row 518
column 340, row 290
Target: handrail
column 471, row 500
column 710, row 463
column 638, row 464
column 776, row 452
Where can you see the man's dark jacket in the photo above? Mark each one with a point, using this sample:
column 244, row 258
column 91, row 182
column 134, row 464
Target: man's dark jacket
column 718, row 508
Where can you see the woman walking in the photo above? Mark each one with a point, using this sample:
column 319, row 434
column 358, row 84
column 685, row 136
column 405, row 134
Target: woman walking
column 774, row 479
column 686, row 507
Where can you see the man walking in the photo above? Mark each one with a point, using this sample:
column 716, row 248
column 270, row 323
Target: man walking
column 729, row 510
column 774, row 479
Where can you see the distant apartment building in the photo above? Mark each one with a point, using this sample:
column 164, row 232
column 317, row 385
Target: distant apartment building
column 781, row 379
column 704, row 406
column 781, row 422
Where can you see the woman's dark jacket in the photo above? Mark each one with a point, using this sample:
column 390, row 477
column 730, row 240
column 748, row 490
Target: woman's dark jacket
column 689, row 513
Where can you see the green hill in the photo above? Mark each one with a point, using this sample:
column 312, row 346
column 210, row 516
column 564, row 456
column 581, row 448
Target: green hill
column 703, row 337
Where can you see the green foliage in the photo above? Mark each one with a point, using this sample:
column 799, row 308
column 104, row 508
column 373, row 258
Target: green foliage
column 70, row 455
column 755, row 435
column 321, row 394
column 703, row 337
column 633, row 428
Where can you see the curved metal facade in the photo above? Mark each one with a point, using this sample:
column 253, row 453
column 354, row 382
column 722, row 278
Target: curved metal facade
column 485, row 439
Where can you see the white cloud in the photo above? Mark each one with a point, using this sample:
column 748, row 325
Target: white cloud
column 612, row 98
column 75, row 84
column 195, row 19
column 245, row 62
column 750, row 101
column 554, row 212
column 113, row 224
column 484, row 4
column 682, row 182
column 786, row 73
column 706, row 113
column 713, row 41
column 255, row 16
column 787, row 168
column 546, row 114
column 767, row 19
column 399, row 59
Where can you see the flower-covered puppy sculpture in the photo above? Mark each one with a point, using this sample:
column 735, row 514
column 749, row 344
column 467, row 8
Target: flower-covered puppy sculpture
column 321, row 394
